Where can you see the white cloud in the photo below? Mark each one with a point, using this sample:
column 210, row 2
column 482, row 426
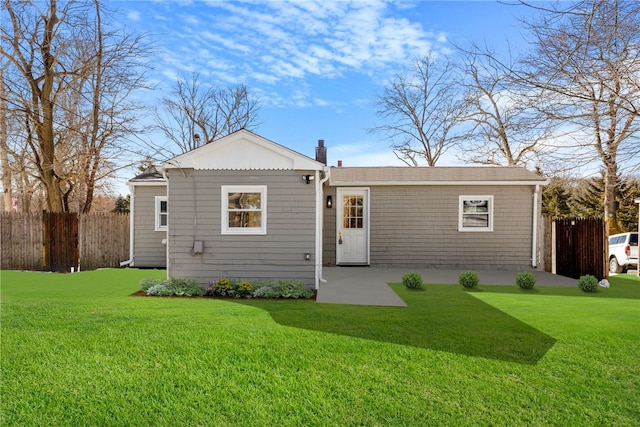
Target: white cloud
column 133, row 15
column 285, row 40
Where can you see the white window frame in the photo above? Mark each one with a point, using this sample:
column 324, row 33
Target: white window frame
column 461, row 201
column 225, row 190
column 159, row 213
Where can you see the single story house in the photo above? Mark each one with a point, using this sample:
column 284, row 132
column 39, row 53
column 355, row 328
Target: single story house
column 247, row 208
column 638, row 202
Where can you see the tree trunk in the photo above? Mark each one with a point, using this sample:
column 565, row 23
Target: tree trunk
column 4, row 155
column 45, row 128
column 610, row 191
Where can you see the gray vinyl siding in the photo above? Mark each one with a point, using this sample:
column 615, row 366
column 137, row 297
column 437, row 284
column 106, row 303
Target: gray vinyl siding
column 195, row 214
column 148, row 248
column 417, row 226
column 329, row 229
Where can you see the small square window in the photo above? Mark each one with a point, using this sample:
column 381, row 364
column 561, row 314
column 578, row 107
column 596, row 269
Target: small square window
column 475, row 213
column 162, row 213
column 244, row 209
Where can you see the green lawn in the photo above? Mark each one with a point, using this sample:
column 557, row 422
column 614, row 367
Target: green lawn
column 78, row 350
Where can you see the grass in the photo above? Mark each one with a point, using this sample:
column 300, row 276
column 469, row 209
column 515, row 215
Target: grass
column 78, row 350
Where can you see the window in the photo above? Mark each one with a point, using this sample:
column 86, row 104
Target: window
column 353, row 212
column 475, row 213
column 162, row 213
column 244, row 209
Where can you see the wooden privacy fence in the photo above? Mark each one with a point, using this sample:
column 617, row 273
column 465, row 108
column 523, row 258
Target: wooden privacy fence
column 575, row 247
column 104, row 240
column 60, row 241
column 21, row 241
column 57, row 242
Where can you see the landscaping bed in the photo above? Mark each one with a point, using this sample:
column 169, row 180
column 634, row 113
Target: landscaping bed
column 226, row 288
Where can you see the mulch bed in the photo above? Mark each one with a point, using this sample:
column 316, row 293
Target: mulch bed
column 141, row 293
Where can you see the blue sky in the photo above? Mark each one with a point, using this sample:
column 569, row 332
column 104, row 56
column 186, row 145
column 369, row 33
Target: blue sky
column 316, row 67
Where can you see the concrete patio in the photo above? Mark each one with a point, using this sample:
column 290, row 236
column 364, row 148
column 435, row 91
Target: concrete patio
column 368, row 285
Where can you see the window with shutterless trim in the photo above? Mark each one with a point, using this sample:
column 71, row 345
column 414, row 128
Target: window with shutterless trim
column 162, row 213
column 475, row 213
column 244, row 209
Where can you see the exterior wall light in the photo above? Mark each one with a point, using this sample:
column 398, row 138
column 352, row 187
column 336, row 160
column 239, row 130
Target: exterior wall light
column 329, row 202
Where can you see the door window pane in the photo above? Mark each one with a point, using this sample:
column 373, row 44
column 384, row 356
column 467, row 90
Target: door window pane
column 353, row 212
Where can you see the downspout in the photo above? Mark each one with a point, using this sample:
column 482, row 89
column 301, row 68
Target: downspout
column 132, row 204
column 320, row 224
column 166, row 179
column 534, row 232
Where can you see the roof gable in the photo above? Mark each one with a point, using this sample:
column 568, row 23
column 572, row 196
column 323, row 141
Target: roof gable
column 243, row 150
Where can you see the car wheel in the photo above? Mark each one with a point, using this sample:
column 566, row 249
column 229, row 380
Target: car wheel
column 614, row 267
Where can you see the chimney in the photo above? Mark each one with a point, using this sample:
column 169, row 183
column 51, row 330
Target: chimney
column 321, row 152
column 339, row 163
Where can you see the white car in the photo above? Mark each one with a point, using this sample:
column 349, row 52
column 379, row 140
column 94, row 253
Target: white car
column 623, row 252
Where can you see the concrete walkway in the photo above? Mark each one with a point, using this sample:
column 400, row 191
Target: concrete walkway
column 368, row 285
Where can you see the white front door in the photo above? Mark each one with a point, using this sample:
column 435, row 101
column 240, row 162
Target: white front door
column 352, row 226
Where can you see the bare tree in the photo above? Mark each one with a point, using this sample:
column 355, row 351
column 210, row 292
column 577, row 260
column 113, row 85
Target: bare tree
column 507, row 125
column 197, row 113
column 71, row 77
column 4, row 149
column 420, row 110
column 587, row 57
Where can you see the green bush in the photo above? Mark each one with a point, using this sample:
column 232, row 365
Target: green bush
column 159, row 290
column 229, row 288
column 145, row 284
column 526, row 280
column 175, row 287
column 412, row 280
column 281, row 289
column 588, row 283
column 243, row 289
column 468, row 279
column 221, row 287
column 185, row 287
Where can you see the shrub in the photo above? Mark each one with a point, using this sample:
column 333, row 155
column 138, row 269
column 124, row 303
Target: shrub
column 228, row 288
column 525, row 280
column 412, row 280
column 588, row 283
column 281, row 289
column 266, row 289
column 175, row 286
column 468, row 279
column 145, row 284
column 160, row 290
column 222, row 287
column 185, row 287
column 243, row 289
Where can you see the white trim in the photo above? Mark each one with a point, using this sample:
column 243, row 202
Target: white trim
column 242, row 150
column 433, row 183
column 224, row 209
column 158, row 212
column 461, row 200
column 534, row 231
column 340, row 192
column 147, row 183
column 320, row 207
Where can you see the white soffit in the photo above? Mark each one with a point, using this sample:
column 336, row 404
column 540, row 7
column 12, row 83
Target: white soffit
column 244, row 150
